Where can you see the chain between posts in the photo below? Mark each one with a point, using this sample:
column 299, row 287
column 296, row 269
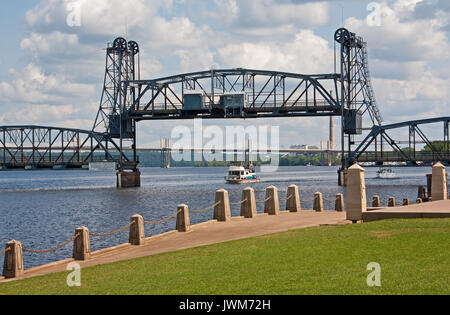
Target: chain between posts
column 165, row 220
column 53, row 249
column 330, row 200
column 287, row 199
column 114, row 232
column 307, row 201
column 264, row 200
column 206, row 209
column 238, row 203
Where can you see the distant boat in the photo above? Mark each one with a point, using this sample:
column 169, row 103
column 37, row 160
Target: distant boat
column 241, row 175
column 385, row 173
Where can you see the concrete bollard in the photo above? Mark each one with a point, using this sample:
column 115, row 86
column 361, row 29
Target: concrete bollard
column 391, row 202
column 376, row 202
column 183, row 220
column 137, row 233
column 405, row 202
column 439, row 189
column 318, row 202
column 356, row 193
column 13, row 264
column 340, row 205
column 293, row 199
column 222, row 212
column 248, row 208
column 272, row 205
column 82, row 245
column 419, row 200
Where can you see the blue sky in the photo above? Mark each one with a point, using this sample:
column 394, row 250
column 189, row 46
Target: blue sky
column 51, row 74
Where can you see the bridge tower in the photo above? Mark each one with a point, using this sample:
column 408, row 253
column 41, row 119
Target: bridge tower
column 357, row 97
column 122, row 65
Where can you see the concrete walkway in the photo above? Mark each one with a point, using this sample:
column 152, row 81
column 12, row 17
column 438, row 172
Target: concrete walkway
column 436, row 209
column 202, row 234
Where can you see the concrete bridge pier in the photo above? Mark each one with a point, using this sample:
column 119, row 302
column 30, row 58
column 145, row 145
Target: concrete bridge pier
column 128, row 179
column 342, row 177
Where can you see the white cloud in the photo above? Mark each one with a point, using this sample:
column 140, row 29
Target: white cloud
column 33, row 86
column 307, row 53
column 402, row 40
column 227, row 10
column 196, row 59
column 112, row 18
column 178, row 33
column 257, row 13
column 100, row 17
column 61, row 81
column 406, row 56
column 38, row 114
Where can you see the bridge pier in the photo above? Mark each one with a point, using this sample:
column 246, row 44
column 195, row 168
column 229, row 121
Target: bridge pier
column 342, row 177
column 128, row 179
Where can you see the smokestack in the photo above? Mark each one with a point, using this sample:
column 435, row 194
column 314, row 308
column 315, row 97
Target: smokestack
column 331, row 143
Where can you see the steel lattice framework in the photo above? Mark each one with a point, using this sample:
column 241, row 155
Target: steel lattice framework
column 356, row 85
column 373, row 147
column 46, row 147
column 217, row 94
column 357, row 94
column 121, row 60
column 268, row 94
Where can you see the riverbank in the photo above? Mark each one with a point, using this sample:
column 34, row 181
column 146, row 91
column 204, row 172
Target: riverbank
column 206, row 233
column 413, row 255
column 42, row 209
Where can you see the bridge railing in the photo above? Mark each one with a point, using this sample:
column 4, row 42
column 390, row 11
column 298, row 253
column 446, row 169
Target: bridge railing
column 394, row 156
column 161, row 106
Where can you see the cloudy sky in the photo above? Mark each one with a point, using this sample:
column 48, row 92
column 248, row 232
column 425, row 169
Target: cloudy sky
column 51, row 73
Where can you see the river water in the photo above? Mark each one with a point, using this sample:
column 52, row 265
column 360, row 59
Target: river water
column 42, row 208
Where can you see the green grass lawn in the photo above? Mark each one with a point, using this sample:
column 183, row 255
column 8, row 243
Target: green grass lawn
column 414, row 256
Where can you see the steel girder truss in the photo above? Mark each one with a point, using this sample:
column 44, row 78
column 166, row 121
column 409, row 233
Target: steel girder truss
column 357, row 94
column 373, row 147
column 127, row 99
column 356, row 84
column 45, row 147
column 268, row 94
column 122, row 64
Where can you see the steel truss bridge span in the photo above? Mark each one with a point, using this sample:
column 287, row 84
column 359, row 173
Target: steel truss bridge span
column 385, row 147
column 48, row 147
column 217, row 94
column 234, row 93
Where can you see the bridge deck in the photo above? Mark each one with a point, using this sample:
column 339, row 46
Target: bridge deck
column 250, row 112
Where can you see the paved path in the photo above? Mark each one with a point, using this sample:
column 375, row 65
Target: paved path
column 437, row 209
column 202, row 234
